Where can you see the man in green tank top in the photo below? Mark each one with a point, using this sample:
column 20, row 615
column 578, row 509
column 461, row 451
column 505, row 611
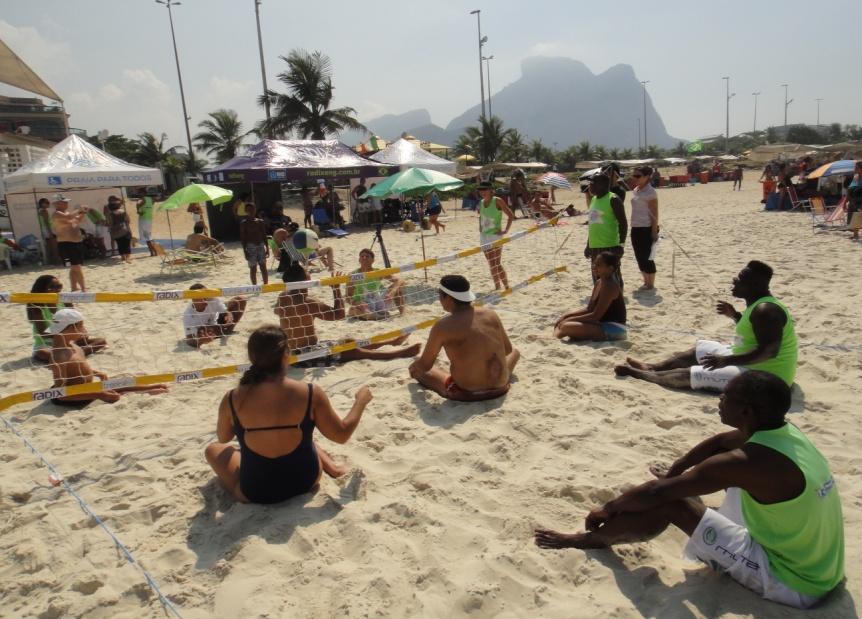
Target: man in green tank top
column 765, row 340
column 780, row 530
column 607, row 221
column 144, row 207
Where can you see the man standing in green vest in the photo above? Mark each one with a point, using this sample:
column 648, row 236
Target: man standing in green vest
column 607, row 223
column 779, row 531
column 144, row 206
column 765, row 340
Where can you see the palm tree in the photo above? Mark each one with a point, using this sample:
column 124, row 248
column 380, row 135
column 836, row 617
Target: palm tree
column 304, row 110
column 627, row 153
column 151, row 150
column 568, row 158
column 488, row 137
column 614, row 154
column 652, row 151
column 585, row 150
column 514, row 148
column 223, row 135
column 600, row 152
column 464, row 146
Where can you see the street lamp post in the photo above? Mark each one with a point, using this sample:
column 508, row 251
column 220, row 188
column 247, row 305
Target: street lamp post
column 787, row 103
column 646, row 144
column 818, row 111
column 639, row 134
column 482, row 41
column 754, row 128
column 186, row 117
column 727, row 114
column 262, row 65
column 488, row 60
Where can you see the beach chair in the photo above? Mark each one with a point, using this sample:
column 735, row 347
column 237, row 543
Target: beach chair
column 795, row 203
column 322, row 221
column 183, row 258
column 819, row 211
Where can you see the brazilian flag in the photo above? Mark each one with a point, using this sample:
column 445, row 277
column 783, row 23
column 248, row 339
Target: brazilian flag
column 695, row 147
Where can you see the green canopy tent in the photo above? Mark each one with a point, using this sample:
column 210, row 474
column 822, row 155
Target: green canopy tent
column 414, row 181
column 195, row 192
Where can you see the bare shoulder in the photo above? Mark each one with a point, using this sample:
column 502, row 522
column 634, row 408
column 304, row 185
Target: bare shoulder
column 62, row 355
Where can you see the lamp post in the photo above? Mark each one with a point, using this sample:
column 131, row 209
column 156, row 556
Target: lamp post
column 727, row 114
column 818, row 111
column 754, row 128
column 482, row 41
column 787, row 103
column 186, row 117
column 488, row 60
column 646, row 144
column 639, row 134
column 262, row 66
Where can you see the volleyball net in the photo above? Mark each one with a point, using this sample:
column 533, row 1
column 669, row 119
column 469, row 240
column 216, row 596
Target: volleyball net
column 353, row 310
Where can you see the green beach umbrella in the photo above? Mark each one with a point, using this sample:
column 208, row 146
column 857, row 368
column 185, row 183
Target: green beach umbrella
column 695, row 147
column 195, row 193
column 414, row 180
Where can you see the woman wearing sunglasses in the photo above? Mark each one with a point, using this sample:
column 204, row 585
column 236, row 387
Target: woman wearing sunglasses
column 644, row 222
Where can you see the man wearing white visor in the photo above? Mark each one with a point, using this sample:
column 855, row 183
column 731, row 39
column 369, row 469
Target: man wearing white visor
column 481, row 357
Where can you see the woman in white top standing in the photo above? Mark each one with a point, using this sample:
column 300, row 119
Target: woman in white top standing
column 644, row 224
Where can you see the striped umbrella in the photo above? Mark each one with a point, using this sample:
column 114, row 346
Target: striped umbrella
column 836, row 168
column 555, row 180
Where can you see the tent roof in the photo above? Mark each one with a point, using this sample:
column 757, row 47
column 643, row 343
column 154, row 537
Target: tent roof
column 15, row 72
column 406, row 153
column 77, row 163
column 283, row 160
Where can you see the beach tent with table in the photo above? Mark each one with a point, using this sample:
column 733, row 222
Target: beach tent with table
column 86, row 174
column 268, row 164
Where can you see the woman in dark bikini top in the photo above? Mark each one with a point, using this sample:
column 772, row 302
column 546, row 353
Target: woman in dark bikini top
column 273, row 418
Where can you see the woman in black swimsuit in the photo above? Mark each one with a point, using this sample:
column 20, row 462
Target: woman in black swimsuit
column 273, row 418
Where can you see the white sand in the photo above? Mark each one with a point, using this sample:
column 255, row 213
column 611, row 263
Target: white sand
column 437, row 519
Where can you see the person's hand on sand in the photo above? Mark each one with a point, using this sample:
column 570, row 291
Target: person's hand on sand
column 363, row 395
column 100, row 375
column 714, row 362
column 725, row 309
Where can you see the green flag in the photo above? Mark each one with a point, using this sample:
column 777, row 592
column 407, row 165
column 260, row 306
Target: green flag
column 695, row 147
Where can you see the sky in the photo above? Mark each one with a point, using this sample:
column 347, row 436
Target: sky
column 113, row 64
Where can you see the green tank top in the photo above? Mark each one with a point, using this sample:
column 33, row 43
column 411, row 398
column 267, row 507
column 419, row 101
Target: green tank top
column 783, row 365
column 39, row 340
column 362, row 287
column 803, row 537
column 146, row 210
column 604, row 229
column 490, row 217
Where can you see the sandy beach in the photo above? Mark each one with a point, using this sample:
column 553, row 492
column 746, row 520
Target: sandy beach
column 436, row 517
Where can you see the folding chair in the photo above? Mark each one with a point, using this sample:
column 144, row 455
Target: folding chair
column 795, row 203
column 183, row 258
column 322, row 221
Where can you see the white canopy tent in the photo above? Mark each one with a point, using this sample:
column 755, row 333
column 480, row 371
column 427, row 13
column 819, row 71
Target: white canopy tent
column 75, row 167
column 407, row 154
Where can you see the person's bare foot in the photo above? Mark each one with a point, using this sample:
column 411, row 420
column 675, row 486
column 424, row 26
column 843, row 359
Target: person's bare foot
column 399, row 340
column 638, row 365
column 109, row 396
column 623, row 370
column 157, row 389
column 553, row 540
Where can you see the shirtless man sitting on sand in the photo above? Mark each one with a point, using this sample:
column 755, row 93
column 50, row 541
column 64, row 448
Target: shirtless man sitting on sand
column 297, row 313
column 69, row 364
column 779, row 532
column 481, row 357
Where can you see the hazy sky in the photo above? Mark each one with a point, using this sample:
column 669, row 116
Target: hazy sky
column 112, row 62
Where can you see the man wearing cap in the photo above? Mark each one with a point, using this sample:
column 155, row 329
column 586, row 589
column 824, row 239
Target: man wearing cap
column 607, row 223
column 481, row 357
column 70, row 242
column 70, row 367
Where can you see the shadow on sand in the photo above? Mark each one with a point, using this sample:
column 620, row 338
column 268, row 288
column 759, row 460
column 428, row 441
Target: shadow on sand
column 216, row 531
column 710, row 593
column 450, row 413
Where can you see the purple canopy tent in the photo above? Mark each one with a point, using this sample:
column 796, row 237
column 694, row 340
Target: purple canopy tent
column 272, row 162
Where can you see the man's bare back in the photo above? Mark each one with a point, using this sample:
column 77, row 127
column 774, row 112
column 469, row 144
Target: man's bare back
column 296, row 314
column 476, row 345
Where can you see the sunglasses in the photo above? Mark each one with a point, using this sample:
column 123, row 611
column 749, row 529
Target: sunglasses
column 637, row 175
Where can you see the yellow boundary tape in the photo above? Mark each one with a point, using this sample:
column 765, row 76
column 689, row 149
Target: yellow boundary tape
column 229, row 291
column 182, row 377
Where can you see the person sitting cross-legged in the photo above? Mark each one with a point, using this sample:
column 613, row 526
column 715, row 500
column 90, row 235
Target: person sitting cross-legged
column 604, row 317
column 273, row 417
column 779, row 531
column 481, row 357
column 204, row 320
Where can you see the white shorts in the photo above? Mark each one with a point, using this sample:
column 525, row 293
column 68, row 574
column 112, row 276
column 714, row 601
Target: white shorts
column 145, row 230
column 196, row 217
column 723, row 543
column 712, row 380
column 484, row 239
